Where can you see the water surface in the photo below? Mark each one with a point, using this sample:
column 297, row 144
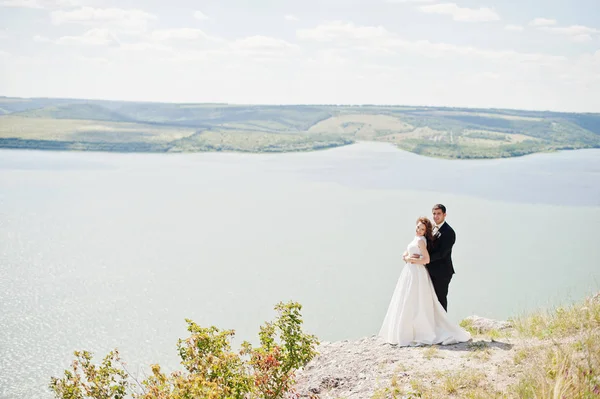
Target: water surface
column 101, row 250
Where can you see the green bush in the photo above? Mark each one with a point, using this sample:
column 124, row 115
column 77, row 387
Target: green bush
column 211, row 369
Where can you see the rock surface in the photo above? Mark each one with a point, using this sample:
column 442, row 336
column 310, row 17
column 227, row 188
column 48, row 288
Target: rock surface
column 359, row 369
column 482, row 324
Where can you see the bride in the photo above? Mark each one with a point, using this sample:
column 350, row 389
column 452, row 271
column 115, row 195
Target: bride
column 415, row 317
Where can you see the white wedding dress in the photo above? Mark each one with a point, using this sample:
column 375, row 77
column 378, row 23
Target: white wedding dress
column 415, row 317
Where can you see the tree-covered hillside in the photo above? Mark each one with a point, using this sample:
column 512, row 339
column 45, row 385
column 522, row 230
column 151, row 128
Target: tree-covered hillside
column 74, row 124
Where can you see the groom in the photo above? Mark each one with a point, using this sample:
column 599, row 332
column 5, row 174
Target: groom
column 440, row 265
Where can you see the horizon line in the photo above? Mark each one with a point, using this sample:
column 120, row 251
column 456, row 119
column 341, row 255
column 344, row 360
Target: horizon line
column 298, row 104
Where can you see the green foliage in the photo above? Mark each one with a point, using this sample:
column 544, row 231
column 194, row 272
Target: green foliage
column 271, row 128
column 62, row 145
column 487, row 136
column 257, row 142
column 562, row 371
column 211, row 369
column 393, row 391
column 569, row 369
column 86, row 380
column 466, row 383
column 284, row 348
column 468, row 151
column 589, row 122
column 562, row 321
column 84, row 111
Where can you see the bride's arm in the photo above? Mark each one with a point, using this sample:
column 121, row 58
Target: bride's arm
column 425, row 258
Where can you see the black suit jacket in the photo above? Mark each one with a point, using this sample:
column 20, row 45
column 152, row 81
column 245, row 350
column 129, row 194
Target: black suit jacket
column 440, row 264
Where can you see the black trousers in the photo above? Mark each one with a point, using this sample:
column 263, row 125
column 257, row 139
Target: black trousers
column 440, row 285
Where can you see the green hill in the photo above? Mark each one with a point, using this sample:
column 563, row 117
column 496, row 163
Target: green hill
column 75, row 111
column 432, row 131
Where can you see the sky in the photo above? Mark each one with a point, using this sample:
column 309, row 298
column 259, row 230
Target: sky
column 527, row 54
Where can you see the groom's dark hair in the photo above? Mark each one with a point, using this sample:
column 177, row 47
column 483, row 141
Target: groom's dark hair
column 439, row 206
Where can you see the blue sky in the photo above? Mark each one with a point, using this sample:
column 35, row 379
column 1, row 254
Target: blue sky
column 528, row 54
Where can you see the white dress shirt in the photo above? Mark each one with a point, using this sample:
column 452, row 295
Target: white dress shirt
column 440, row 226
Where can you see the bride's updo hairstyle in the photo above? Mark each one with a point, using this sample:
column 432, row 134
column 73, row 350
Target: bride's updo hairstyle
column 428, row 230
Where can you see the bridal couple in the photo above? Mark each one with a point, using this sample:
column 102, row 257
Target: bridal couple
column 417, row 312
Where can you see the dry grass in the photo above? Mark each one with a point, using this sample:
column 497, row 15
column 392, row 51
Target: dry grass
column 85, row 130
column 425, row 133
column 553, row 354
column 562, row 370
column 175, row 139
column 479, row 350
column 491, row 334
column 466, row 383
column 569, row 365
column 361, row 125
column 393, row 391
column 431, row 352
column 562, row 321
column 511, row 138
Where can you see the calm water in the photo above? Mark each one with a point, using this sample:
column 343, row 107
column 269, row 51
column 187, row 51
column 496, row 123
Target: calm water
column 115, row 250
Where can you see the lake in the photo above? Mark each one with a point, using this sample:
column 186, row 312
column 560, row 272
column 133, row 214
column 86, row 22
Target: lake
column 102, row 250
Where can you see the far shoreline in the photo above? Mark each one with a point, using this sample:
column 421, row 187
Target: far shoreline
column 299, row 151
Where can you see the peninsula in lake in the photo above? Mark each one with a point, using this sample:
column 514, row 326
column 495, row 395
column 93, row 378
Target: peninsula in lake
column 462, row 133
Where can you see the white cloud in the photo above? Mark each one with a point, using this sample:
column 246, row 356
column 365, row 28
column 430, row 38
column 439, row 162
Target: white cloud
column 93, row 37
column 200, row 15
column 263, row 48
column 290, row 18
column 263, row 43
column 488, row 76
column 462, row 14
column 94, row 60
column 576, row 33
column 341, row 30
column 352, row 37
column 582, row 70
column 573, row 30
column 133, row 21
column 440, row 49
column 179, row 34
column 542, row 22
column 321, row 64
column 41, row 39
column 410, row 1
column 141, row 47
column 328, row 59
column 581, row 38
column 40, row 4
column 515, row 28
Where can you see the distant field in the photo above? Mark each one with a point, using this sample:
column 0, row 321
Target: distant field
column 489, row 115
column 252, row 141
column 85, row 130
column 69, row 124
column 363, row 126
column 76, row 134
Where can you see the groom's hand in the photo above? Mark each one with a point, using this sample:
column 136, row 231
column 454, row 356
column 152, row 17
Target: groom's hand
column 416, row 256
